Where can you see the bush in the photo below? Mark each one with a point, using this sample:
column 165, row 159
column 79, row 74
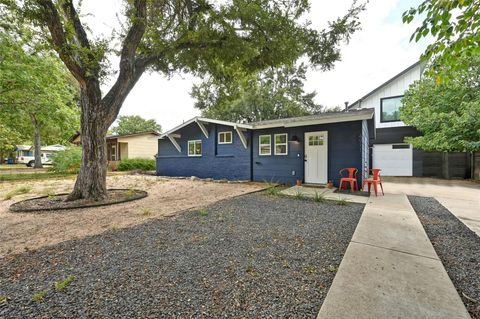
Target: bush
column 143, row 164
column 67, row 161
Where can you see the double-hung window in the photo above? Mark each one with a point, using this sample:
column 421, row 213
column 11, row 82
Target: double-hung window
column 281, row 144
column 195, row 148
column 265, row 145
column 225, row 137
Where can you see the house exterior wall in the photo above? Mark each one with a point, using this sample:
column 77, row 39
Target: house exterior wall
column 344, row 150
column 347, row 147
column 395, row 88
column 218, row 161
column 141, row 146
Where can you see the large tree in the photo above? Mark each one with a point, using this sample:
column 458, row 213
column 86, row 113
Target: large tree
column 167, row 36
column 37, row 94
column 455, row 28
column 130, row 124
column 446, row 112
column 267, row 95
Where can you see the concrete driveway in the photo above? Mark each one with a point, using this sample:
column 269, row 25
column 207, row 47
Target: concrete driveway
column 461, row 198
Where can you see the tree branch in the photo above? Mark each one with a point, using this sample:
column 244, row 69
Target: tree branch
column 51, row 17
column 131, row 69
column 81, row 35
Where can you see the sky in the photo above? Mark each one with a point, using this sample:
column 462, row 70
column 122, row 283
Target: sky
column 377, row 52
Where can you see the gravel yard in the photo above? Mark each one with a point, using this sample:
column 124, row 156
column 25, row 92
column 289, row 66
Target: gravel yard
column 166, row 197
column 457, row 246
column 253, row 256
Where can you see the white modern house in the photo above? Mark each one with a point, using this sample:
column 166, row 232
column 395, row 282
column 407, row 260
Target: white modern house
column 389, row 152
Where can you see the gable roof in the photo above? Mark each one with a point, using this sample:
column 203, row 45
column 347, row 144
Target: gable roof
column 133, row 134
column 323, row 118
column 77, row 134
column 204, row 120
column 385, row 83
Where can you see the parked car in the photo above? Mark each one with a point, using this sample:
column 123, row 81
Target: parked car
column 30, row 160
column 25, row 154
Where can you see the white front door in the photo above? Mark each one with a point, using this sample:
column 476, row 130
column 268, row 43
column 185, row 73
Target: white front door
column 316, row 157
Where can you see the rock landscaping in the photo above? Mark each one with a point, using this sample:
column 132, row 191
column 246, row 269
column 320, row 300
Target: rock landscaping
column 457, row 246
column 253, row 256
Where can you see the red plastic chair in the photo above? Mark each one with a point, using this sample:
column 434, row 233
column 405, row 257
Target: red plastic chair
column 375, row 180
column 352, row 178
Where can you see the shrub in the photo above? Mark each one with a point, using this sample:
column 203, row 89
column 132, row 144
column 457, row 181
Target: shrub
column 67, row 161
column 143, row 164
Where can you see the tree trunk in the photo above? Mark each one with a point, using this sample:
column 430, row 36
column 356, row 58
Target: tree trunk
column 37, row 145
column 92, row 179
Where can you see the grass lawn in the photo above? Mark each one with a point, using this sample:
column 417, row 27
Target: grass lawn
column 13, row 166
column 34, row 176
column 252, row 256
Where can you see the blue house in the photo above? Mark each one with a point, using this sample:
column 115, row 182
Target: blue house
column 309, row 148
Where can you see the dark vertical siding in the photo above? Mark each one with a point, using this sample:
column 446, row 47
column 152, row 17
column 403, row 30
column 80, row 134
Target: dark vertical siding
column 344, row 150
column 230, row 161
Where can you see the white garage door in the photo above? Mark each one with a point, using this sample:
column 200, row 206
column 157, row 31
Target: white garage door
column 393, row 159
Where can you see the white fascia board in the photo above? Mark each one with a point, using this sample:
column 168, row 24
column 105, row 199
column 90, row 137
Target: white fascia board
column 205, row 120
column 316, row 121
column 176, row 128
column 226, row 123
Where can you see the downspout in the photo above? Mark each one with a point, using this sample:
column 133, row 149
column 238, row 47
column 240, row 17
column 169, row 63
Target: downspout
column 251, row 154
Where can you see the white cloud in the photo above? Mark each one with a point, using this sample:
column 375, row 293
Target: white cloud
column 376, row 53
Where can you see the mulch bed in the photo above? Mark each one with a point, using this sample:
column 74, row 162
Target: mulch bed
column 57, row 202
column 253, row 256
column 457, row 246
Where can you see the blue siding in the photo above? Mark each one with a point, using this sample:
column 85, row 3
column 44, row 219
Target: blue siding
column 344, row 150
column 230, row 161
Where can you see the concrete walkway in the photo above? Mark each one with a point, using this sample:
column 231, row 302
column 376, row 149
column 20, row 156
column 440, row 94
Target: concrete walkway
column 460, row 197
column 390, row 269
column 327, row 193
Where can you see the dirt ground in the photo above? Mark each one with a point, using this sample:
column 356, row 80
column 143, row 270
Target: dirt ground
column 167, row 197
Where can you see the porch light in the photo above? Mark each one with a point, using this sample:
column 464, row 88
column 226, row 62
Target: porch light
column 295, row 139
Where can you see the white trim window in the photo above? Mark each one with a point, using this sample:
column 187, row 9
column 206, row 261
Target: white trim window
column 195, row 148
column 281, row 144
column 265, row 145
column 225, row 137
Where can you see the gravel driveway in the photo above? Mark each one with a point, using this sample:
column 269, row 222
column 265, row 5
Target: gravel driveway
column 457, row 246
column 252, row 256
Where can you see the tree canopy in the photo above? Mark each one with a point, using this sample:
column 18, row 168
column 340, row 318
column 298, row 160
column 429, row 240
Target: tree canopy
column 455, row 27
column 131, row 124
column 202, row 37
column 271, row 94
column 37, row 94
column 447, row 113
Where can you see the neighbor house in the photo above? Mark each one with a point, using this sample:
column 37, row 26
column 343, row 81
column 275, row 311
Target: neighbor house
column 311, row 149
column 389, row 150
column 120, row 147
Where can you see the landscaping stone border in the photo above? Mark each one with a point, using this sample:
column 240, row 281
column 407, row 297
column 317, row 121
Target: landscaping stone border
column 14, row 207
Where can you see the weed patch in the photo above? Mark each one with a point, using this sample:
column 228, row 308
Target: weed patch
column 17, row 191
column 61, row 285
column 38, row 296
